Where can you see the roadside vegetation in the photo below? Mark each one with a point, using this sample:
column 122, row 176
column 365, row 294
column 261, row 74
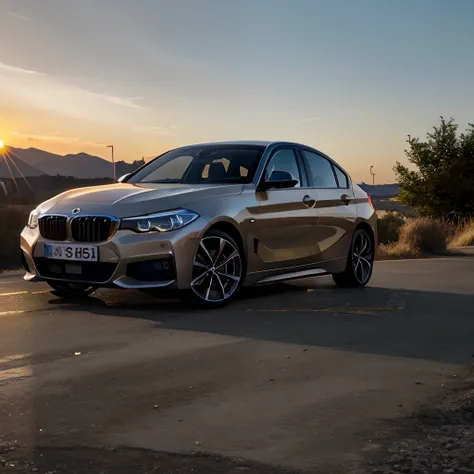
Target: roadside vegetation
column 12, row 220
column 463, row 235
column 404, row 237
column 439, row 186
column 439, row 182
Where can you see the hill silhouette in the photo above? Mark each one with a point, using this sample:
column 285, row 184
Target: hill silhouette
column 80, row 165
column 11, row 164
column 380, row 190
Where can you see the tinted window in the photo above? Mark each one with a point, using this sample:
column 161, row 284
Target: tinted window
column 341, row 178
column 321, row 171
column 203, row 164
column 284, row 160
column 169, row 171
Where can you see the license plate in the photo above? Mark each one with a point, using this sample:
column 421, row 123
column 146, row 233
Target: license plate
column 72, row 252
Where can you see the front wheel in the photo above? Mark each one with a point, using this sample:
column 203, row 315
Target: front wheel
column 71, row 290
column 360, row 262
column 217, row 271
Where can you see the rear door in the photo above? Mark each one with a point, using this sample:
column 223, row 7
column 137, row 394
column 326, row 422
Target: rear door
column 336, row 206
column 287, row 218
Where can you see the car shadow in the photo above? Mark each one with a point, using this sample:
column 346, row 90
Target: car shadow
column 376, row 320
column 161, row 302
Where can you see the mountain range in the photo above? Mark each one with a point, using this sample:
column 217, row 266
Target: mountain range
column 34, row 162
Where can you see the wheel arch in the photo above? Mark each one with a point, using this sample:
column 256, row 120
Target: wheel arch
column 230, row 228
column 368, row 228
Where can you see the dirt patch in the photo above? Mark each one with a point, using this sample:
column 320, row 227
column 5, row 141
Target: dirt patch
column 438, row 439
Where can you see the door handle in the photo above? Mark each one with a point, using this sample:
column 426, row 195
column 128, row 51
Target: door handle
column 345, row 199
column 309, row 201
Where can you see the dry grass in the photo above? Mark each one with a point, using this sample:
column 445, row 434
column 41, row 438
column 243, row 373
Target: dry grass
column 462, row 234
column 396, row 250
column 426, row 235
column 422, row 237
column 417, row 237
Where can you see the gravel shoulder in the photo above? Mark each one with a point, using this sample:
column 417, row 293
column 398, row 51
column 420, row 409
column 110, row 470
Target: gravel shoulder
column 437, row 439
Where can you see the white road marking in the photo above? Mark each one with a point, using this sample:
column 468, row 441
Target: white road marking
column 10, row 313
column 14, row 293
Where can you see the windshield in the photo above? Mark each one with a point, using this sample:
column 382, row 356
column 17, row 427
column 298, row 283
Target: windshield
column 216, row 164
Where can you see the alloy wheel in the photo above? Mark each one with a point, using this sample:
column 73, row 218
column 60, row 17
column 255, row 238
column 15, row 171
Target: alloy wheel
column 362, row 257
column 217, row 269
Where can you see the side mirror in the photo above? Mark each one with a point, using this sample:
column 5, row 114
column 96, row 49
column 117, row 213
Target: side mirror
column 279, row 180
column 123, row 178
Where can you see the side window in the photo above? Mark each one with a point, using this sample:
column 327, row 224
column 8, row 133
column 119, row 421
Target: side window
column 321, row 171
column 284, row 160
column 341, row 178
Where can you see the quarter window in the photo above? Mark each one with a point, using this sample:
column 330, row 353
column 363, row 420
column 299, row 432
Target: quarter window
column 321, row 171
column 284, row 160
column 341, row 178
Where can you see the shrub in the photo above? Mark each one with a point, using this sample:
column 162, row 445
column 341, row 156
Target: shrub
column 389, row 227
column 417, row 237
column 441, row 182
column 463, row 234
column 426, row 235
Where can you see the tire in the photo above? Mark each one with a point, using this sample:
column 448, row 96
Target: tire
column 218, row 271
column 71, row 290
column 360, row 262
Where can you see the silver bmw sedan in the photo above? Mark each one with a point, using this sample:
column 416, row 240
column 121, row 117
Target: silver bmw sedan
column 207, row 219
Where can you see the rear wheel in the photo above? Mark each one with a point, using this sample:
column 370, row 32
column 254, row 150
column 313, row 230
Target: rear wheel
column 71, row 290
column 217, row 270
column 360, row 262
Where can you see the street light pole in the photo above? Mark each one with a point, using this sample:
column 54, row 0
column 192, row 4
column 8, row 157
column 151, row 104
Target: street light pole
column 113, row 160
column 373, row 175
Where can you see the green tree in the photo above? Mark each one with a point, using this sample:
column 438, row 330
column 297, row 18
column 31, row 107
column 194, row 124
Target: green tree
column 442, row 183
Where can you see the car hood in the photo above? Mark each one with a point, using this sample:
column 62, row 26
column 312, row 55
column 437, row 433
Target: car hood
column 126, row 200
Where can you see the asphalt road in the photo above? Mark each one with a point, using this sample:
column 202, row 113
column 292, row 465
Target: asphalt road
column 304, row 376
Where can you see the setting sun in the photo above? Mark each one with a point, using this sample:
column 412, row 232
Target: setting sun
column 1, row 144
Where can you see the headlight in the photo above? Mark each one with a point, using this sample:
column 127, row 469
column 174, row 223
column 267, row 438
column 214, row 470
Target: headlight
column 161, row 222
column 33, row 219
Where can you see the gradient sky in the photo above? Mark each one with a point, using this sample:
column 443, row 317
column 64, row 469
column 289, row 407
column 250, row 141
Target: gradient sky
column 351, row 78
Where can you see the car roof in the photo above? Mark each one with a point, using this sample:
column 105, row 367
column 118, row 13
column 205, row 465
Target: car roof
column 264, row 143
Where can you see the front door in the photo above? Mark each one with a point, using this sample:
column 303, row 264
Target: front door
column 286, row 219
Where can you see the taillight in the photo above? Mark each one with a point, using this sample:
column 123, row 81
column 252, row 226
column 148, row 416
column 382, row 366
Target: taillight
column 369, row 198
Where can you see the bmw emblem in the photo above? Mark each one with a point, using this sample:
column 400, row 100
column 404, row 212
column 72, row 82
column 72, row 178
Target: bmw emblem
column 77, row 210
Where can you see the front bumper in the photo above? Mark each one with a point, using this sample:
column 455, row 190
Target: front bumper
column 120, row 258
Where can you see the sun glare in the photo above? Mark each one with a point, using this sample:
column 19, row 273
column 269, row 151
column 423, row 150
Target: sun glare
column 1, row 144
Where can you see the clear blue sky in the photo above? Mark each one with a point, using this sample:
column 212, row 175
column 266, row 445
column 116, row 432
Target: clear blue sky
column 352, row 78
